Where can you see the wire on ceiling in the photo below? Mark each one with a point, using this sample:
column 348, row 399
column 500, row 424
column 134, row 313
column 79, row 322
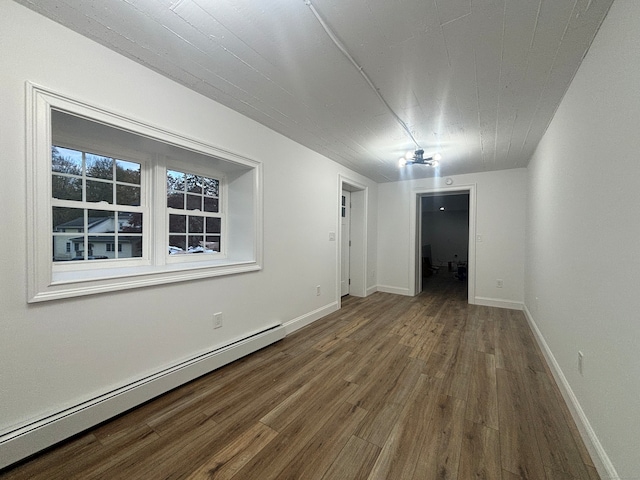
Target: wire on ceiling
column 346, row 53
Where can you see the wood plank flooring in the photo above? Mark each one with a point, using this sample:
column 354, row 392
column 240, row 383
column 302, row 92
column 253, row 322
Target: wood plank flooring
column 389, row 387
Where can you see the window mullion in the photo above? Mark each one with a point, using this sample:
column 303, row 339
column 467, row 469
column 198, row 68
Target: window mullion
column 158, row 207
column 57, row 202
column 85, row 252
column 116, row 231
column 84, row 177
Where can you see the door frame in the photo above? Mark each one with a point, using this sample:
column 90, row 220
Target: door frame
column 345, row 226
column 415, row 232
column 358, row 230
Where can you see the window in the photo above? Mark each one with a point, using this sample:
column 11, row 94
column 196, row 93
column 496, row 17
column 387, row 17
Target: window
column 96, row 204
column 193, row 206
column 120, row 204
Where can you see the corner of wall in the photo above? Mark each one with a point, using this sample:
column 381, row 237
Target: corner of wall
column 601, row 460
column 498, row 302
column 310, row 317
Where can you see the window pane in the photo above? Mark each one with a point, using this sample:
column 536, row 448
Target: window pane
column 194, row 183
column 70, row 220
column 211, row 204
column 194, row 202
column 196, row 224
column 175, row 200
column 178, row 223
column 127, row 195
column 129, row 222
column 129, row 246
column 194, row 240
column 99, row 191
column 99, row 167
column 175, row 181
column 101, row 221
column 177, row 244
column 212, row 242
column 210, row 186
column 128, row 172
column 63, row 246
column 213, row 225
column 96, row 248
column 66, row 188
column 65, row 160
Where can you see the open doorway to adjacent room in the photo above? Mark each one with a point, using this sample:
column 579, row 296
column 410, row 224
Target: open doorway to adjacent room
column 444, row 241
column 352, row 238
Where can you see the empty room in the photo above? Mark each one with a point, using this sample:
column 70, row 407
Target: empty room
column 313, row 239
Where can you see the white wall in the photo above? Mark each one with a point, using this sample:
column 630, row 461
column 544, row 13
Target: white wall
column 500, row 206
column 583, row 253
column 57, row 354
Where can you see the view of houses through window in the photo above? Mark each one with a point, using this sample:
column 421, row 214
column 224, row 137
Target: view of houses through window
column 91, row 219
column 91, row 200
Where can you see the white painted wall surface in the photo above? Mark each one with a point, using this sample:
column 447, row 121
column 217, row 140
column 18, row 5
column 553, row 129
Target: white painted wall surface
column 57, row 354
column 500, row 208
column 583, row 253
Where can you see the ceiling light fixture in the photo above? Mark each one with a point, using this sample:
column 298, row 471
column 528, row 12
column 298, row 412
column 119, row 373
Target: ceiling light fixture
column 419, row 158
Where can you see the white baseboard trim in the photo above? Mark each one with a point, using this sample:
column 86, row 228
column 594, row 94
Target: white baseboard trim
column 371, row 290
column 396, row 290
column 40, row 434
column 308, row 318
column 498, row 302
column 600, row 458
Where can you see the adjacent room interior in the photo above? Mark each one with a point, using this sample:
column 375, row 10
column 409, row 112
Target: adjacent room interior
column 444, row 237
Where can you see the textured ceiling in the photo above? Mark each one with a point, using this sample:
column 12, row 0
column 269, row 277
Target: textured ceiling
column 476, row 80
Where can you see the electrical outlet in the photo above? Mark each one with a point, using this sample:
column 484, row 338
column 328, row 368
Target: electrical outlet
column 318, row 290
column 499, row 283
column 580, row 362
column 217, row 320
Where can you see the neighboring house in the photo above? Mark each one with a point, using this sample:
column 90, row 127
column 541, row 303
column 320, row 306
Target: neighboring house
column 101, row 245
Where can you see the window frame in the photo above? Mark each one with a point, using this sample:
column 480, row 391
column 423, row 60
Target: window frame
column 155, row 268
column 146, row 173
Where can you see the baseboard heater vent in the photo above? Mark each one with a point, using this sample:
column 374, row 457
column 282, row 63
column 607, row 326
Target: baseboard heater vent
column 42, row 433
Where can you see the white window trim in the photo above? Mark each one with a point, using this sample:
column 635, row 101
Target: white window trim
column 42, row 285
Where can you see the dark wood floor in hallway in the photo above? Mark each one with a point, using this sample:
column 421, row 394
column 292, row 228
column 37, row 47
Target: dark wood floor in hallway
column 389, row 387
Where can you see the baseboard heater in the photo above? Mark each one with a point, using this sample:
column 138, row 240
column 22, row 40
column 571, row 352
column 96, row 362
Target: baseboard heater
column 29, row 439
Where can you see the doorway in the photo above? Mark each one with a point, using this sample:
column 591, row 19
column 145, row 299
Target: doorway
column 345, row 239
column 440, row 259
column 352, row 238
column 444, row 238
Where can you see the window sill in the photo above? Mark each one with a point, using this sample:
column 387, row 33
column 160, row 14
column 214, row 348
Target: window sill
column 89, row 282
